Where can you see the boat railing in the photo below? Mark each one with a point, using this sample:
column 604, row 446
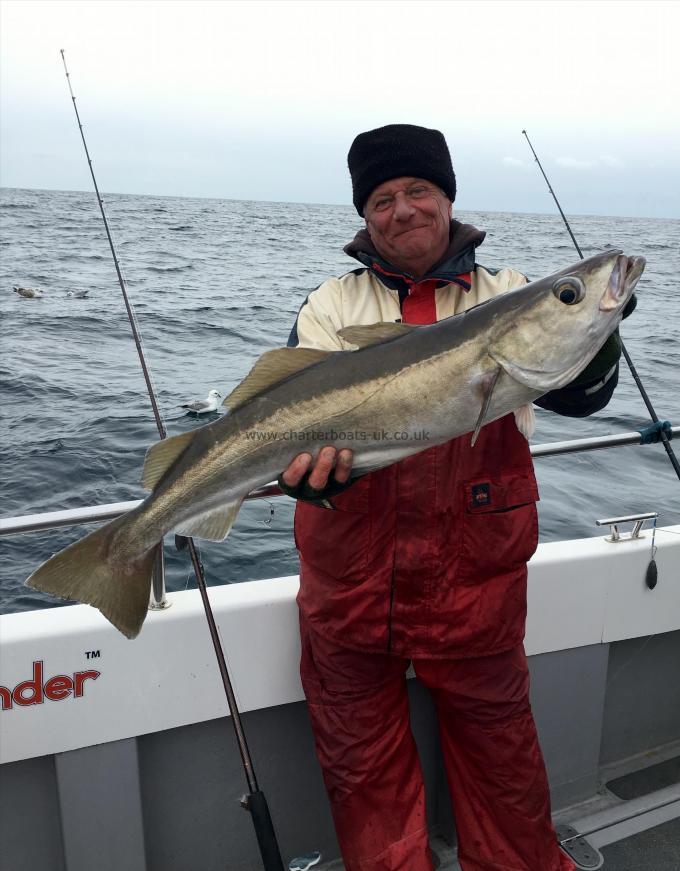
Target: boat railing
column 158, row 600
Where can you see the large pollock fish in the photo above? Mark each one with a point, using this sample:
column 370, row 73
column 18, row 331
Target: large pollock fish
column 444, row 380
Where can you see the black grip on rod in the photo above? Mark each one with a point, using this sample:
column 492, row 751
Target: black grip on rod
column 256, row 803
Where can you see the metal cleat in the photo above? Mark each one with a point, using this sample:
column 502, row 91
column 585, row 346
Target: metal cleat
column 637, row 519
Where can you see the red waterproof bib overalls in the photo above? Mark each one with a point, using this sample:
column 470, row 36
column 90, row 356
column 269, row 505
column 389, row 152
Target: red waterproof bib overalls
column 425, row 562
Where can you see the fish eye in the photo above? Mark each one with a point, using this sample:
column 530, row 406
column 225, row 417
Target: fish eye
column 569, row 290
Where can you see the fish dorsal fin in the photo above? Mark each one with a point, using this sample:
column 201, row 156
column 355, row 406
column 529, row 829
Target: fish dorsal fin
column 161, row 456
column 271, row 368
column 365, row 336
column 214, row 525
column 485, row 387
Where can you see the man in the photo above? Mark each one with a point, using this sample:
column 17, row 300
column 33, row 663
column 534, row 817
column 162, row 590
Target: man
column 423, row 562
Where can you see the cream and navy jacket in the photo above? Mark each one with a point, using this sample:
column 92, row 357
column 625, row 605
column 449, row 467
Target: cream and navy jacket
column 426, row 557
column 377, row 292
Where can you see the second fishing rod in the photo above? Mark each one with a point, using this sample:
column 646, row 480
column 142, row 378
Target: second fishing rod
column 255, row 801
column 661, row 427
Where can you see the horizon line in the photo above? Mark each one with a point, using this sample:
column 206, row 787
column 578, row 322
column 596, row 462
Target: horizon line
column 320, row 203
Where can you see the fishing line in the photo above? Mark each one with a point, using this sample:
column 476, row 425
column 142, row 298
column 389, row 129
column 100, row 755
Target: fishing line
column 269, row 520
column 652, row 574
column 650, row 408
column 255, row 801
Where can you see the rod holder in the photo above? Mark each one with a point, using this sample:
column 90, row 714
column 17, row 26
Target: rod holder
column 158, row 601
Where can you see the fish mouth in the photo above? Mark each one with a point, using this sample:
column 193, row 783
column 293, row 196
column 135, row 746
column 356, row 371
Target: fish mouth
column 625, row 275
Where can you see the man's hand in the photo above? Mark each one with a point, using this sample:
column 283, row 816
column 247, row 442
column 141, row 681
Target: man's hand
column 629, row 307
column 327, row 461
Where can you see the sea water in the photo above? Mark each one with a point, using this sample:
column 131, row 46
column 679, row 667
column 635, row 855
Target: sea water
column 215, row 283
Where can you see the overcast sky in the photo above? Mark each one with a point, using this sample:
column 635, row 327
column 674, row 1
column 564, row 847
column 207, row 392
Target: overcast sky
column 261, row 100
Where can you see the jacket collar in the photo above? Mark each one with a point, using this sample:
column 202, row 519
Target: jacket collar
column 458, row 260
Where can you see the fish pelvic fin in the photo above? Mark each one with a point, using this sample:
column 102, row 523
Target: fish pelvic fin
column 162, row 455
column 214, row 525
column 88, row 572
column 486, row 388
column 272, row 368
column 525, row 418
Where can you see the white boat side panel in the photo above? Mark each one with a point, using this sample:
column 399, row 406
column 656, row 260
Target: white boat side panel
column 591, row 590
column 567, row 596
column 166, row 677
column 633, row 609
column 95, row 686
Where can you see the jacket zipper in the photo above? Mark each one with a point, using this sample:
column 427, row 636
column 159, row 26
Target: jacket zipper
column 393, row 580
column 389, row 615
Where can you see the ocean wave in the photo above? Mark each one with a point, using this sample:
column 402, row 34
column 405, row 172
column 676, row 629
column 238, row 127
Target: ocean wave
column 51, row 446
column 18, row 390
column 181, row 268
column 661, row 246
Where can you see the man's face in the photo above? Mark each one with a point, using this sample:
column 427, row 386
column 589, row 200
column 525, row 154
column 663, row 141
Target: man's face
column 408, row 221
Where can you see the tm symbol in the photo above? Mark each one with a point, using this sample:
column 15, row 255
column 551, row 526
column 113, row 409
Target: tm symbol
column 92, row 654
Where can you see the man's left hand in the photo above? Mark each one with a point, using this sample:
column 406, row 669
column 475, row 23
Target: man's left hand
column 317, row 481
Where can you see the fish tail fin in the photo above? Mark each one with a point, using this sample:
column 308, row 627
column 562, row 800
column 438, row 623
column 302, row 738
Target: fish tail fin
column 92, row 572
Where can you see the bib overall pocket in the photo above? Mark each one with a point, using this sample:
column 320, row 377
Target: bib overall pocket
column 500, row 527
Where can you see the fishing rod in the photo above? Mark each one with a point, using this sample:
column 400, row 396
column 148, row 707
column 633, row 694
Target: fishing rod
column 255, row 801
column 662, row 428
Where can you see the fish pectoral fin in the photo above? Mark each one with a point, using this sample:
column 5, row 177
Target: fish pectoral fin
column 214, row 525
column 525, row 418
column 273, row 367
column 161, row 456
column 373, row 334
column 486, row 387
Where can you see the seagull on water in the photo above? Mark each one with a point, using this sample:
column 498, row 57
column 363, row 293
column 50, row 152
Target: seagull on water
column 203, row 406
column 29, row 292
column 77, row 294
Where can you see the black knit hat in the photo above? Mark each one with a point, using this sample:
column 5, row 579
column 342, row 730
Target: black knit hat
column 396, row 150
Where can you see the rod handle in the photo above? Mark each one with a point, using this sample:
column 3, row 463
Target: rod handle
column 256, row 803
